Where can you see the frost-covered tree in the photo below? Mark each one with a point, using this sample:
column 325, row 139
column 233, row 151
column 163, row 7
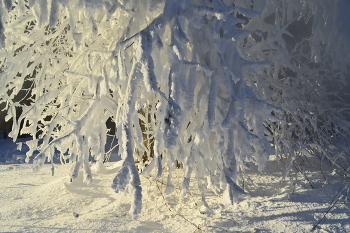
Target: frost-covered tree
column 202, row 85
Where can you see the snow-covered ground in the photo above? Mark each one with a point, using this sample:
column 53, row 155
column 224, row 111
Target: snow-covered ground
column 40, row 202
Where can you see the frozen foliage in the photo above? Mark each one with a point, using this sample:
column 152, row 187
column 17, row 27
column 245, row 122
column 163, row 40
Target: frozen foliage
column 207, row 86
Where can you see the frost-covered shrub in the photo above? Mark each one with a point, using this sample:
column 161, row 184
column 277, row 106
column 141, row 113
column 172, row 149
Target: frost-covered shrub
column 307, row 78
column 205, row 85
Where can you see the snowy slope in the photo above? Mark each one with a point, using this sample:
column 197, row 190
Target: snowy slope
column 40, row 202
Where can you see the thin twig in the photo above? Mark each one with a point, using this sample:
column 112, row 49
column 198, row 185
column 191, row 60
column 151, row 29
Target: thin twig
column 329, row 209
column 296, row 165
column 176, row 214
column 337, row 194
column 189, row 193
column 108, row 154
column 200, row 226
